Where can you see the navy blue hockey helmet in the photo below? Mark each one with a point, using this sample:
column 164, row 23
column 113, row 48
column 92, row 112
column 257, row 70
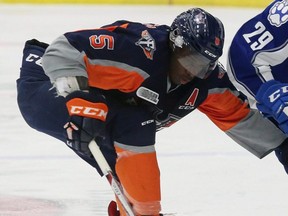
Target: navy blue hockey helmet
column 200, row 32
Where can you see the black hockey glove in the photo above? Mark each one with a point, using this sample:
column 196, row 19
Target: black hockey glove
column 37, row 43
column 87, row 119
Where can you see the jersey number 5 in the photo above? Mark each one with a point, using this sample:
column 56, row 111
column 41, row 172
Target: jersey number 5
column 264, row 38
column 102, row 41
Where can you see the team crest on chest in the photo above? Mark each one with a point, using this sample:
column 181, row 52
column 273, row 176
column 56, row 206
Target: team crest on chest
column 147, row 43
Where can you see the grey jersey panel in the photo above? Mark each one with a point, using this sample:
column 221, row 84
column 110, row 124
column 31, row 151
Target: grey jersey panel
column 61, row 59
column 257, row 134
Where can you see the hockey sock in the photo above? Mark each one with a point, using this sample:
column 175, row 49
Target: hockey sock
column 140, row 177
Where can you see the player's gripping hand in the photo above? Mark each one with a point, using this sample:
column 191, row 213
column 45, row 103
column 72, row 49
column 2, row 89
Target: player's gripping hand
column 87, row 119
column 272, row 99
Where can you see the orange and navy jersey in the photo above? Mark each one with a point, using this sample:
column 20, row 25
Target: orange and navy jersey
column 130, row 61
column 119, row 56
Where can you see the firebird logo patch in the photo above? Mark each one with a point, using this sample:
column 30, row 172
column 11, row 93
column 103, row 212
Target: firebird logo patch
column 147, row 43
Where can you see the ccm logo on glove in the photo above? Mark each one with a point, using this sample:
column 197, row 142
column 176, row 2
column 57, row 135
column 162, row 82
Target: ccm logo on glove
column 275, row 95
column 81, row 107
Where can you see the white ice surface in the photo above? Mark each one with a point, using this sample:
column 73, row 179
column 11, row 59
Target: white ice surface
column 203, row 172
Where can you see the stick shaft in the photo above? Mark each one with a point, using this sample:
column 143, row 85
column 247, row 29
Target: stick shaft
column 107, row 171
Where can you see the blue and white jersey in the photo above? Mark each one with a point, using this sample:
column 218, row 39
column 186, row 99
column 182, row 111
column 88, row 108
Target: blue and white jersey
column 259, row 50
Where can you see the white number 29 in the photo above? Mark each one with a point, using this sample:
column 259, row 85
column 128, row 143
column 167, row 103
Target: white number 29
column 264, row 38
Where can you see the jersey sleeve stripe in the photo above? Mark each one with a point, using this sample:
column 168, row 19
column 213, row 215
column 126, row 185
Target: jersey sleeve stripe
column 107, row 75
column 224, row 109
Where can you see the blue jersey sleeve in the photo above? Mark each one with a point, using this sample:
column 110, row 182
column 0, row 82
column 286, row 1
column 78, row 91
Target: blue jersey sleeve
column 259, row 50
column 37, row 101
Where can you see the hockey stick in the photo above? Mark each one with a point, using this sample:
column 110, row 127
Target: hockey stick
column 108, row 173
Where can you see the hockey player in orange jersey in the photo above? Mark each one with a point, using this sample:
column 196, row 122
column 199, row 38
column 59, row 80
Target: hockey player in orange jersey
column 121, row 83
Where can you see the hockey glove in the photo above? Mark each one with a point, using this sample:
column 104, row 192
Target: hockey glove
column 272, row 99
column 87, row 119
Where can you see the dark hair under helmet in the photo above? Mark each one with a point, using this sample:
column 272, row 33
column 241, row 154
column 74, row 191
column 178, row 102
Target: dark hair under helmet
column 200, row 31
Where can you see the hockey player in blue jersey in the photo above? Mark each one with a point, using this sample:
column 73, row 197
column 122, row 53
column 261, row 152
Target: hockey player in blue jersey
column 121, row 83
column 258, row 65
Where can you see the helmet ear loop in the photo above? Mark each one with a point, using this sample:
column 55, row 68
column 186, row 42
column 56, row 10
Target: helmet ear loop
column 176, row 38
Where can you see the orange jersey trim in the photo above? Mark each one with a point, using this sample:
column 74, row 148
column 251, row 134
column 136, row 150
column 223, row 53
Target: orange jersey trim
column 111, row 77
column 112, row 28
column 224, row 109
column 108, row 28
